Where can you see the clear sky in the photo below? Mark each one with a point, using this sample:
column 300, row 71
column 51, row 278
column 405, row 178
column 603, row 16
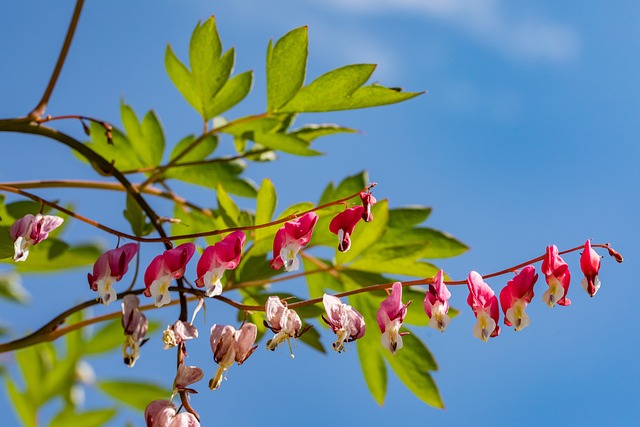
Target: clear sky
column 528, row 136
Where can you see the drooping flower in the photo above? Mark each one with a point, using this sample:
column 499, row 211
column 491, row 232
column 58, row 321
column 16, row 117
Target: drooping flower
column 162, row 413
column 283, row 322
column 436, row 303
column 31, row 230
column 367, row 202
column 135, row 326
column 216, row 259
column 343, row 225
column 516, row 295
column 178, row 333
column 230, row 345
column 290, row 239
column 390, row 316
column 186, row 376
column 343, row 320
column 108, row 269
column 484, row 304
column 164, row 269
column 590, row 265
column 558, row 277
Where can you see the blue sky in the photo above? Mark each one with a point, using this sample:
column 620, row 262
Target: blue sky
column 528, row 136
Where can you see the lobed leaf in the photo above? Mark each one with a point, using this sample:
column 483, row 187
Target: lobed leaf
column 286, row 67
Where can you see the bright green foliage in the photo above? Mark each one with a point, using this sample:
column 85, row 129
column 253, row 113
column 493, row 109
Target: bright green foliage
column 137, row 218
column 140, row 145
column 207, row 87
column 265, row 208
column 342, row 89
column 93, row 418
column 286, row 66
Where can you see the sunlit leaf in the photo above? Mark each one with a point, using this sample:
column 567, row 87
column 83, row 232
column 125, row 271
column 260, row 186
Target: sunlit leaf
column 233, row 91
column 21, row 404
column 265, row 207
column 313, row 131
column 200, row 151
column 146, row 138
column 286, row 143
column 286, row 65
column 319, row 283
column 211, row 174
column 227, row 207
column 366, row 234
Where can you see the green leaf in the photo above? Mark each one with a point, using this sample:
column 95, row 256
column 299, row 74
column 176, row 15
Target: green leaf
column 205, row 146
column 228, row 208
column 319, row 282
column 137, row 218
column 370, row 351
column 348, row 186
column 254, row 266
column 55, row 255
column 33, row 364
column 210, row 72
column 313, row 131
column 366, row 234
column 233, row 91
column 286, row 65
column 21, row 404
column 111, row 336
column 146, row 138
column 286, row 143
column 341, row 89
column 193, row 221
column 11, row 288
column 312, row 339
column 426, row 242
column 332, row 88
column 412, row 364
column 133, row 393
column 265, row 207
column 6, row 243
column 400, row 266
column 209, row 175
column 93, row 418
column 408, row 216
column 119, row 151
column 19, row 209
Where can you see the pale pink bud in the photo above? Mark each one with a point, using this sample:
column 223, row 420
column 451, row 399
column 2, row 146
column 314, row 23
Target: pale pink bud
column 230, row 345
column 135, row 326
column 343, row 320
column 31, row 230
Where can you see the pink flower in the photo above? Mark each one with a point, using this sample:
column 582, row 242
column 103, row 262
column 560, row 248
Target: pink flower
column 216, row 259
column 178, row 333
column 367, row 202
column 31, row 230
column 516, row 295
column 164, row 269
column 162, row 413
column 108, row 269
column 186, row 376
column 390, row 317
column 484, row 304
column 590, row 265
column 436, row 303
column 230, row 345
column 343, row 225
column 283, row 322
column 290, row 239
column 343, row 320
column 558, row 277
column 135, row 326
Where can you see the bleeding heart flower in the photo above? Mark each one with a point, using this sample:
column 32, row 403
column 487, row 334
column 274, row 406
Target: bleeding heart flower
column 343, row 320
column 343, row 225
column 31, row 230
column 230, row 345
column 558, row 277
column 108, row 269
column 164, row 269
column 484, row 304
column 216, row 259
column 590, row 265
column 516, row 295
column 390, row 317
column 290, row 239
column 436, row 303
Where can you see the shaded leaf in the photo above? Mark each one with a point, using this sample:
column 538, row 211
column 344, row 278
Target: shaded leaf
column 227, row 208
column 265, row 207
column 312, row 339
column 137, row 218
column 93, row 418
column 54, row 255
column 318, row 283
column 369, row 350
column 412, row 365
column 11, row 288
column 146, row 138
column 138, row 394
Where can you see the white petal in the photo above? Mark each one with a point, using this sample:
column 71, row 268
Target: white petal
column 160, row 293
column 106, row 291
